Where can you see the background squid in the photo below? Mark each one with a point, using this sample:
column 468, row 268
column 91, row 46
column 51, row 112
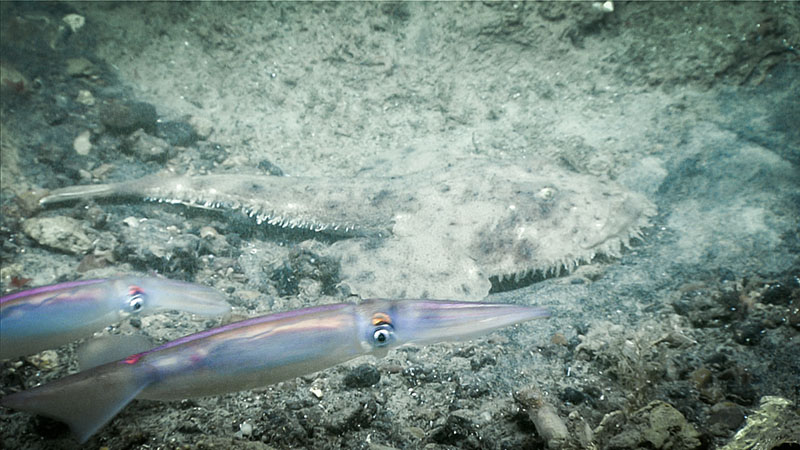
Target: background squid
column 50, row 316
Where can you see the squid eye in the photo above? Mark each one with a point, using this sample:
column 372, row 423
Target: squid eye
column 136, row 299
column 382, row 336
column 135, row 303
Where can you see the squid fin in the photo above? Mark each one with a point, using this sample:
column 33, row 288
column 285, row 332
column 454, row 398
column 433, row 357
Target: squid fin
column 86, row 400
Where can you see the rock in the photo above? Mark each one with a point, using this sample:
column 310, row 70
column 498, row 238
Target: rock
column 776, row 293
column 211, row 154
column 657, row 426
column 353, row 415
column 794, row 318
column 458, row 426
column 80, row 67
column 549, row 425
column 85, row 97
column 176, row 133
column 748, row 333
column 545, row 418
column 61, row 233
column 305, row 263
column 74, row 21
column 725, row 417
column 82, row 144
column 93, row 262
column 11, row 80
column 46, row 360
column 246, row 428
column 415, row 432
column 216, row 443
column 189, row 427
column 737, row 384
column 362, row 376
column 126, row 117
column 574, row 396
column 268, row 167
column 165, row 249
column 774, row 425
column 146, row 147
column 202, row 126
column 701, row 377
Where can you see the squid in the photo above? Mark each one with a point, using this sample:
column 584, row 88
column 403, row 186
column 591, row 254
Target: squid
column 50, row 316
column 258, row 352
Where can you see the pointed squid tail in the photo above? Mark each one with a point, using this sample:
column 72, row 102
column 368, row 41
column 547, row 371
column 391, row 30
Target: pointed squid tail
column 86, row 400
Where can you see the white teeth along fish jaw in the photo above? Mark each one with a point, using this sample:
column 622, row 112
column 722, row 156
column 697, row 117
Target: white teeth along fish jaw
column 440, row 233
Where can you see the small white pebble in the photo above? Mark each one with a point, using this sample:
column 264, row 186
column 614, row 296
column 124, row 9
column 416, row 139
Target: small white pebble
column 208, row 232
column 246, row 428
column 316, row 391
column 605, row 7
column 74, row 21
column 85, row 97
column 131, row 221
column 82, row 144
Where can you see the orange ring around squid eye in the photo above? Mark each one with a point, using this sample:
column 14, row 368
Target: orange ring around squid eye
column 135, row 290
column 381, row 319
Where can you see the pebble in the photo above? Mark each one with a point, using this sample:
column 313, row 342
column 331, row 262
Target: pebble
column 416, row 432
column 246, row 428
column 776, row 293
column 549, row 425
column 85, row 97
column 725, row 417
column 572, row 396
column 82, row 144
column 79, row 67
column 362, row 376
column 657, row 426
column 46, row 360
column 208, row 232
column 60, row 232
column 74, row 21
column 126, row 117
column 202, row 126
column 316, row 392
column 131, row 221
column 146, row 147
column 773, row 426
column 748, row 333
column 559, row 339
column 176, row 133
column 701, row 377
column 11, row 80
column 458, row 426
column 545, row 417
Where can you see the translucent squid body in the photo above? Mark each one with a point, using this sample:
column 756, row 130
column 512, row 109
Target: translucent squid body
column 258, row 352
column 50, row 316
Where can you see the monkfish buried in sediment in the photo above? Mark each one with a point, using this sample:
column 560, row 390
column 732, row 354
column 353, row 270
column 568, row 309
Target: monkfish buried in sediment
column 440, row 233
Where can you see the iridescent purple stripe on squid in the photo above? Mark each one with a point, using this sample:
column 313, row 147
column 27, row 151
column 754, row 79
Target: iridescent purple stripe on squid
column 246, row 323
column 50, row 288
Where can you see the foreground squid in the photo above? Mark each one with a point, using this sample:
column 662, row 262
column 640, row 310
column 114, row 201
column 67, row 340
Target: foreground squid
column 51, row 316
column 258, row 352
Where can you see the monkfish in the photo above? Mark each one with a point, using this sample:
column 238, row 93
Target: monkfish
column 439, row 233
column 258, row 352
